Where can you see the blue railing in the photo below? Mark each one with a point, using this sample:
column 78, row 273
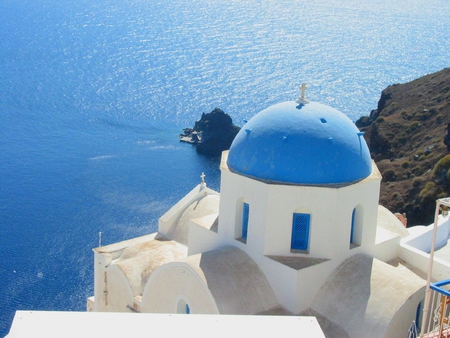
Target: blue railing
column 437, row 287
column 438, row 314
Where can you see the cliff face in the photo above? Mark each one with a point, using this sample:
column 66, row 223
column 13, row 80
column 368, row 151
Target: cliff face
column 408, row 136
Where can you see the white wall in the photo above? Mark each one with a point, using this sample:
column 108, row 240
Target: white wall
column 421, row 261
column 423, row 240
column 272, row 207
column 118, row 293
column 171, row 217
column 167, row 286
column 201, row 239
column 270, row 227
column 415, row 249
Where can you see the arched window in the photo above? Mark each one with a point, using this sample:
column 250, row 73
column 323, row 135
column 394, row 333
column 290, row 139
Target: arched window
column 183, row 307
column 419, row 314
column 352, row 232
column 356, row 226
column 300, row 231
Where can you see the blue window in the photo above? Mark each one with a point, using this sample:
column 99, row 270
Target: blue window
column 300, row 231
column 352, row 232
column 245, row 214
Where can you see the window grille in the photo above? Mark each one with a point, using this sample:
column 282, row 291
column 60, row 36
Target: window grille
column 300, row 231
column 245, row 215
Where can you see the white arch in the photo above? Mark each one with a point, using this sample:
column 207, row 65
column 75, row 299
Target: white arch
column 173, row 282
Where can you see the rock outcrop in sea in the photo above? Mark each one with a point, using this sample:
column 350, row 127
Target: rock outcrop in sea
column 212, row 134
column 409, row 139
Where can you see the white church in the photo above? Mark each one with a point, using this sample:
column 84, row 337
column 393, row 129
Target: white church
column 296, row 232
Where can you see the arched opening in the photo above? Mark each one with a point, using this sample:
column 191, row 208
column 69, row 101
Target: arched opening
column 356, row 226
column 183, row 307
column 419, row 315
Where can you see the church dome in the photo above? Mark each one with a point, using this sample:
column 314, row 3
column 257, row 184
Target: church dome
column 305, row 144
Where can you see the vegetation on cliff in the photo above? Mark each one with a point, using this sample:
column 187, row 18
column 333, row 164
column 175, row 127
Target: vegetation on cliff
column 212, row 134
column 409, row 139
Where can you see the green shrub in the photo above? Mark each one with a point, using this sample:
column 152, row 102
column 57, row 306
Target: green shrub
column 441, row 170
column 414, row 126
column 438, row 98
column 389, row 175
column 405, row 115
column 441, row 195
column 417, row 182
column 428, row 191
column 416, row 171
column 442, row 165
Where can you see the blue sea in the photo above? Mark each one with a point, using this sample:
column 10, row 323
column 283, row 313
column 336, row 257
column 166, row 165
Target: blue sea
column 94, row 93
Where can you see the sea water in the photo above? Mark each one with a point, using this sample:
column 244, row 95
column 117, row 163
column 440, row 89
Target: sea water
column 94, row 93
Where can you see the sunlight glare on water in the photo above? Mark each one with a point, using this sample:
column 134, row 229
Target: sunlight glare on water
column 95, row 93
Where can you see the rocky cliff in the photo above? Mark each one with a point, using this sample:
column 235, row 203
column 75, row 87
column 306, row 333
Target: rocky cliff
column 212, row 134
column 409, row 139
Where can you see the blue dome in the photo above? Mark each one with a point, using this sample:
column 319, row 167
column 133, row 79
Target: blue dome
column 308, row 144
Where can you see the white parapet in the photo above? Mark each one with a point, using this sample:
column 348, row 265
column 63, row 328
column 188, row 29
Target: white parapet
column 97, row 324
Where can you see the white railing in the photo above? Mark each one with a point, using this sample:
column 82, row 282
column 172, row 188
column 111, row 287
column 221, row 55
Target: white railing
column 435, row 315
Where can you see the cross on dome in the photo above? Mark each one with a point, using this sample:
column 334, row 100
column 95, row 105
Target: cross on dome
column 303, row 89
column 203, row 178
column 302, row 99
